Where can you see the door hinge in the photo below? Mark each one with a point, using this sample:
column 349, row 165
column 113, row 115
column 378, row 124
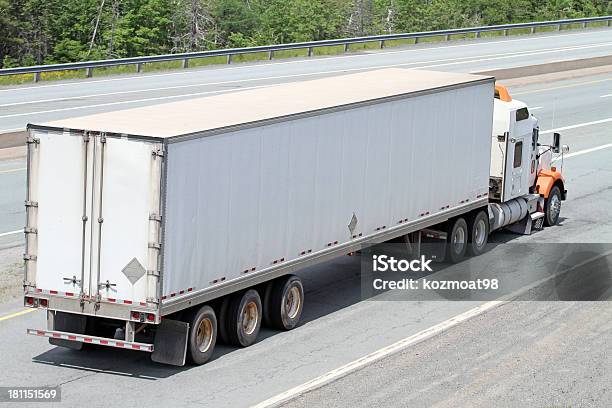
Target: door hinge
column 152, row 300
column 153, row 273
column 98, row 299
column 154, row 245
column 32, row 140
column 157, row 153
column 29, row 230
column 28, row 257
column 31, row 203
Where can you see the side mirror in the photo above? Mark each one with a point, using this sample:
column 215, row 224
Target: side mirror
column 565, row 149
column 556, row 148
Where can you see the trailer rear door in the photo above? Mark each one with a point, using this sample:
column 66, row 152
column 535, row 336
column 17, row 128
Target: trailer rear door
column 97, row 216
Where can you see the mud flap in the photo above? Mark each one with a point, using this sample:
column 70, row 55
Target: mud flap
column 70, row 323
column 170, row 344
column 522, row 227
column 433, row 244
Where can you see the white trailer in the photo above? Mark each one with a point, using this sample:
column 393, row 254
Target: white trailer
column 160, row 228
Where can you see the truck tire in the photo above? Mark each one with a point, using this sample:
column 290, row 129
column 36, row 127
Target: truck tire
column 552, row 207
column 457, row 241
column 266, row 293
column 202, row 335
column 244, row 317
column 285, row 303
column 222, row 320
column 478, row 226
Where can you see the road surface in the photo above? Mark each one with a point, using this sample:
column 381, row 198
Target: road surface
column 552, row 354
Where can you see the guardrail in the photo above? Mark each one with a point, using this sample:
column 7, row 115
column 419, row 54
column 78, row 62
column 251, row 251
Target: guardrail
column 270, row 49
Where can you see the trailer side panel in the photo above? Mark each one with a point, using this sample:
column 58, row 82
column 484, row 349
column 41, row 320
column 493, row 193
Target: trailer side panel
column 243, row 201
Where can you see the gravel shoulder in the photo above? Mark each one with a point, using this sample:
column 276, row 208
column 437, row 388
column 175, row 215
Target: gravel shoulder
column 11, row 273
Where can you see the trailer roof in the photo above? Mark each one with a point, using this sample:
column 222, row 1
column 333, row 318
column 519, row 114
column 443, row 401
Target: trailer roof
column 264, row 103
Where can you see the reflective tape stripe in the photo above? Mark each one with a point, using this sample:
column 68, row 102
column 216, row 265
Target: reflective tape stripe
column 124, row 301
column 92, row 340
column 183, row 291
column 72, row 294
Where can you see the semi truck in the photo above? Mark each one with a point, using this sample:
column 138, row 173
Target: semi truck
column 168, row 228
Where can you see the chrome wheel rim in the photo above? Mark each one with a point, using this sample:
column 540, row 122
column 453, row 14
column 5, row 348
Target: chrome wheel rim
column 204, row 335
column 293, row 302
column 459, row 240
column 555, row 207
column 250, row 317
column 480, row 233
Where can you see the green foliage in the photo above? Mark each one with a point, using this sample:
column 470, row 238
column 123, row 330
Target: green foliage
column 284, row 21
column 55, row 31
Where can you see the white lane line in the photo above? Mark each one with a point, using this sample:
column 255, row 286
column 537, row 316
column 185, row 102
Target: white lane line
column 411, row 340
column 2, row 131
column 503, row 56
column 377, row 355
column 606, row 96
column 579, row 125
column 12, row 170
column 526, row 54
column 585, row 151
column 454, row 60
column 315, row 60
column 535, row 108
column 6, row 234
column 160, row 98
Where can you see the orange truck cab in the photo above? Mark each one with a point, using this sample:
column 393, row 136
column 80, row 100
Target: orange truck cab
column 522, row 176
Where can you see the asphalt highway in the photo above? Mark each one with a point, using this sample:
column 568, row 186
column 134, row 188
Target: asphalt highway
column 552, row 354
column 541, row 353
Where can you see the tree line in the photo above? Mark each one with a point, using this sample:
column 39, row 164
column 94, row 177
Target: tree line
column 55, row 31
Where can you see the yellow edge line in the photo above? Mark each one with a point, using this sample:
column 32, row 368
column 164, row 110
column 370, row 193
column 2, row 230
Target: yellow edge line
column 12, row 170
column 17, row 314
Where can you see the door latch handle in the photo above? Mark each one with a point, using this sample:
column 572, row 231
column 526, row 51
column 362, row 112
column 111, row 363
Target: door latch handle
column 72, row 280
column 107, row 285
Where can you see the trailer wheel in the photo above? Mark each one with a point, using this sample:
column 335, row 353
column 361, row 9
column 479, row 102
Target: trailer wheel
column 266, row 290
column 457, row 241
column 244, row 317
column 479, row 233
column 202, row 335
column 222, row 321
column 286, row 302
column 552, row 207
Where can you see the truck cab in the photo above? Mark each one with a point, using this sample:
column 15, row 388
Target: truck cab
column 521, row 167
